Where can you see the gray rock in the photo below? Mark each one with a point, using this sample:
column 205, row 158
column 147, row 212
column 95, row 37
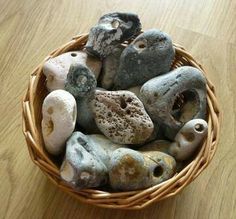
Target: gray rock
column 173, row 99
column 133, row 170
column 111, row 30
column 121, row 116
column 188, row 139
column 149, row 55
column 110, row 67
column 87, row 160
column 80, row 81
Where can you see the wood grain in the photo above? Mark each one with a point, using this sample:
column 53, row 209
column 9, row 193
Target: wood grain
column 30, row 29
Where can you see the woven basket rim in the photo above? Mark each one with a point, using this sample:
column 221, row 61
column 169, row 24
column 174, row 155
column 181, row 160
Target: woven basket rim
column 120, row 200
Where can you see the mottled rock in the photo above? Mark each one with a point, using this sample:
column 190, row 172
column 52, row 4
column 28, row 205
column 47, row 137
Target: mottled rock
column 87, row 160
column 121, row 117
column 56, row 69
column 80, row 81
column 188, row 139
column 133, row 170
column 110, row 67
column 149, row 55
column 111, row 30
column 59, row 117
column 173, row 99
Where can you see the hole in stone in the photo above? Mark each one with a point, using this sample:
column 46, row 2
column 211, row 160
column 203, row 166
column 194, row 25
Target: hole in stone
column 140, row 45
column 129, row 100
column 199, row 127
column 123, row 104
column 109, row 114
column 50, row 127
column 128, row 111
column 186, row 106
column 73, row 54
column 50, row 110
column 158, row 171
column 189, row 136
column 115, row 24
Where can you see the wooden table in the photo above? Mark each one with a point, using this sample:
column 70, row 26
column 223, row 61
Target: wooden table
column 30, row 29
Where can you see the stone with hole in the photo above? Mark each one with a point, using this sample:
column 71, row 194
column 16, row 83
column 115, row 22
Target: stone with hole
column 59, row 118
column 133, row 170
column 110, row 67
column 80, row 81
column 111, row 30
column 121, row 116
column 188, row 139
column 173, row 99
column 57, row 68
column 87, row 160
column 149, row 55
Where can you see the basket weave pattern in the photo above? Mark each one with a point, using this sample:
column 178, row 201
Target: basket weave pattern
column 32, row 104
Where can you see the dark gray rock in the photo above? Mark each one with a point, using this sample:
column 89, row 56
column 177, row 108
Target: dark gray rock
column 80, row 81
column 149, row 55
column 111, row 30
column 173, row 99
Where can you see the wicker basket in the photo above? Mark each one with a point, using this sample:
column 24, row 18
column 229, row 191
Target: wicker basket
column 32, row 104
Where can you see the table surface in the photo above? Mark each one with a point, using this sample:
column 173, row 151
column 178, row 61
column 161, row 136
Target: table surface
column 30, row 29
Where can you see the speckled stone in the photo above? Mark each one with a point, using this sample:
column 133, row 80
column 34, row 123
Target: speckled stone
column 173, row 99
column 80, row 81
column 188, row 139
column 149, row 55
column 57, row 68
column 111, row 30
column 110, row 67
column 59, row 118
column 133, row 170
column 121, row 117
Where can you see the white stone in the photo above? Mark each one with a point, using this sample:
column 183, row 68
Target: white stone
column 56, row 69
column 59, row 118
column 188, row 139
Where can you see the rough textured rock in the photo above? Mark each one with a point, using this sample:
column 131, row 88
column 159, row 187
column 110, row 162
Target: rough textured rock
column 188, row 139
column 110, row 67
column 87, row 160
column 133, row 170
column 111, row 30
column 59, row 117
column 173, row 99
column 121, row 117
column 149, row 55
column 56, row 69
column 80, row 81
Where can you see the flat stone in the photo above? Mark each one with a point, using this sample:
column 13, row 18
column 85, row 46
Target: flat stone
column 80, row 81
column 173, row 99
column 121, row 117
column 133, row 170
column 149, row 55
column 59, row 118
column 57, row 68
column 111, row 30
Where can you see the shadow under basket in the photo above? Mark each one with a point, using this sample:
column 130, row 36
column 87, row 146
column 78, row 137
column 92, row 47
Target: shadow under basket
column 32, row 116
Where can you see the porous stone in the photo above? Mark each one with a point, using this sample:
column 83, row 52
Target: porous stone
column 111, row 30
column 87, row 160
column 188, row 139
column 149, row 55
column 57, row 68
column 133, row 170
column 80, row 81
column 121, row 117
column 173, row 99
column 59, row 118
column 110, row 67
